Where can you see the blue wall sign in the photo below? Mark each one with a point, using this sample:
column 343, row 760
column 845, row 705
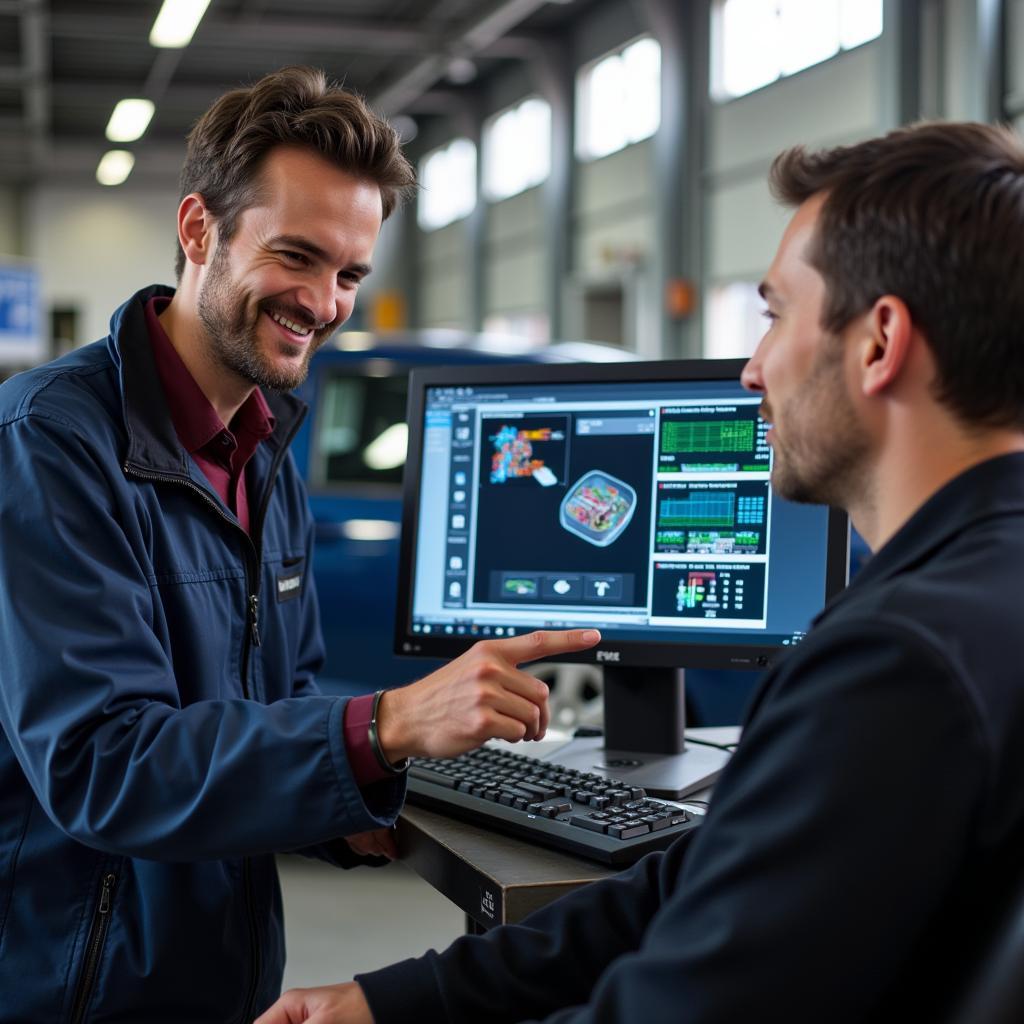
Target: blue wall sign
column 21, row 315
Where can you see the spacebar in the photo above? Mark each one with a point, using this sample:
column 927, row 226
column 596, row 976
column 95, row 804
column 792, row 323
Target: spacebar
column 435, row 777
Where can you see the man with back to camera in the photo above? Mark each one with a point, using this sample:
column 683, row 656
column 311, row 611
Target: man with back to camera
column 162, row 732
column 871, row 823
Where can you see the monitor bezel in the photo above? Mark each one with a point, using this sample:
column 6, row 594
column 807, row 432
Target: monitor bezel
column 626, row 652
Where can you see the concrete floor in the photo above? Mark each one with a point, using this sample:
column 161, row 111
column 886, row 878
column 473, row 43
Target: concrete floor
column 338, row 923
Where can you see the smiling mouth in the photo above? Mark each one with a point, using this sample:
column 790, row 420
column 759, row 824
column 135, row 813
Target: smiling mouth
column 290, row 325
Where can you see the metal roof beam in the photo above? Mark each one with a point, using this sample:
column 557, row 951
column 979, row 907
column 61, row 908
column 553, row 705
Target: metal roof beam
column 245, row 34
column 35, row 52
column 473, row 39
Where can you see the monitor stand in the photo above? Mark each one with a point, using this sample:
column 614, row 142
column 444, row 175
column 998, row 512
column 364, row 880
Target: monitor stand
column 643, row 742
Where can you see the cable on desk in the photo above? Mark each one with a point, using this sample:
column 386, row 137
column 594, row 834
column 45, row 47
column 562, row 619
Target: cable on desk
column 729, row 748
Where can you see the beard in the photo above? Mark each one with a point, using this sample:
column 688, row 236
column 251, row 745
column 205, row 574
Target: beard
column 233, row 331
column 823, row 458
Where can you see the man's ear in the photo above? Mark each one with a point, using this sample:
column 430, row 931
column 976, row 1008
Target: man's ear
column 196, row 231
column 885, row 343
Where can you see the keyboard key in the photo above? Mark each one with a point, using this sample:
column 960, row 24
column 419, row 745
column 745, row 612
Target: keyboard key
column 587, row 822
column 428, row 775
column 541, row 792
column 627, row 832
column 657, row 824
column 556, row 806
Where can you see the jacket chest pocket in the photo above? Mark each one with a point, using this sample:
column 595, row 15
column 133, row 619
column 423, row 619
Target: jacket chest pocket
column 205, row 617
column 287, row 578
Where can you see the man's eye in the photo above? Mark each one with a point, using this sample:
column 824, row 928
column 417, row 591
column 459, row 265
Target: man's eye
column 295, row 257
column 769, row 315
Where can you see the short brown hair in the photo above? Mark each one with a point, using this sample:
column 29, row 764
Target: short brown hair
column 296, row 106
column 934, row 214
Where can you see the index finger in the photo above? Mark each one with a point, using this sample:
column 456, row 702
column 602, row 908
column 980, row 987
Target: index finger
column 542, row 643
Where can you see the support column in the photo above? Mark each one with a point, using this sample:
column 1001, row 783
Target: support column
column 974, row 61
column 555, row 80
column 683, row 30
column 469, row 123
column 901, row 59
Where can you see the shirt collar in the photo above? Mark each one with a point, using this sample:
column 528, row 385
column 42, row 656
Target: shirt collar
column 990, row 489
column 195, row 420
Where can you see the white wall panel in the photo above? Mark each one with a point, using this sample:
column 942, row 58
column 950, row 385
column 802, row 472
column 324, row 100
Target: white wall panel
column 514, row 280
column 745, row 227
column 615, row 211
column 614, row 181
column 830, row 102
column 515, row 257
column 95, row 247
column 516, row 219
column 603, row 246
column 444, row 298
column 833, row 103
column 443, row 274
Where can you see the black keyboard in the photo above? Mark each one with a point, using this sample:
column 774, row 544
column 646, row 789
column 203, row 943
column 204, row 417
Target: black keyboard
column 589, row 815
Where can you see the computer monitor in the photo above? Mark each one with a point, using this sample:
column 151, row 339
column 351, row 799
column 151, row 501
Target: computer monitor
column 632, row 497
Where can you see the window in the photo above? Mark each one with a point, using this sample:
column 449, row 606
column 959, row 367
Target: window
column 733, row 320
column 361, row 434
column 533, row 328
column 448, row 184
column 517, row 149
column 618, row 100
column 759, row 41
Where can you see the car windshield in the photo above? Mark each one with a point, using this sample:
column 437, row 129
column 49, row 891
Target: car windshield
column 360, row 436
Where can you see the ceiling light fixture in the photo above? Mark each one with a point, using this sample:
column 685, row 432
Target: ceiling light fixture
column 115, row 166
column 461, row 71
column 129, row 120
column 176, row 23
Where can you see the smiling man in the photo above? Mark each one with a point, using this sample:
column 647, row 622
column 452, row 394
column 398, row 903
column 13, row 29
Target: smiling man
column 871, row 823
column 162, row 732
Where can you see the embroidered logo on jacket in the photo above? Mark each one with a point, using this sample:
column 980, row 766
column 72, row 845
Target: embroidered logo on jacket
column 289, row 586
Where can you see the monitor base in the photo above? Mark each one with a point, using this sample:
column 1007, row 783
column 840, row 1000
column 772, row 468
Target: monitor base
column 670, row 776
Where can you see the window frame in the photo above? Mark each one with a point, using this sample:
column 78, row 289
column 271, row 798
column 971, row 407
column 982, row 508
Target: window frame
column 584, row 149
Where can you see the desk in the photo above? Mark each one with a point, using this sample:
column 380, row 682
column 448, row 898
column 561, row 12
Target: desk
column 493, row 878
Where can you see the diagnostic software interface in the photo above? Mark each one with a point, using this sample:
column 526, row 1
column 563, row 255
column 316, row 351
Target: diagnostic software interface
column 641, row 508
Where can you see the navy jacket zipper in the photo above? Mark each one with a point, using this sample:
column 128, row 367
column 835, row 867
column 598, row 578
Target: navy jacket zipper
column 93, row 949
column 251, row 639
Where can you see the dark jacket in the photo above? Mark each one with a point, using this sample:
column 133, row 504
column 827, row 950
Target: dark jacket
column 162, row 732
column 863, row 835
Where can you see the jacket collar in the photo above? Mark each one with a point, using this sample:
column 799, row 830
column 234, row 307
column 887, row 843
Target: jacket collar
column 153, row 443
column 989, row 490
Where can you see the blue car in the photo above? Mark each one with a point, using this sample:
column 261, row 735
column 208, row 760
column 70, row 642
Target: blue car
column 351, row 451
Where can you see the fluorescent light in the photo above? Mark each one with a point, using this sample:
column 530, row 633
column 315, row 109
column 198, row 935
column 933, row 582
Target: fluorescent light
column 176, row 23
column 129, row 120
column 115, row 166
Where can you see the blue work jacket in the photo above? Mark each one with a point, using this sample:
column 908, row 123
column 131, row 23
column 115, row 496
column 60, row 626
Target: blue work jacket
column 162, row 734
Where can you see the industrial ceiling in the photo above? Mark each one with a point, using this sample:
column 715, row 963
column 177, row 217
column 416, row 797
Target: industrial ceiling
column 64, row 64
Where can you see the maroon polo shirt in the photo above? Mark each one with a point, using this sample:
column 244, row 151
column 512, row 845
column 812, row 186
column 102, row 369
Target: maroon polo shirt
column 222, row 453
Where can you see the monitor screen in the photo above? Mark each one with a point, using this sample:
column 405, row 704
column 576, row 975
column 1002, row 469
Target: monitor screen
column 633, row 497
